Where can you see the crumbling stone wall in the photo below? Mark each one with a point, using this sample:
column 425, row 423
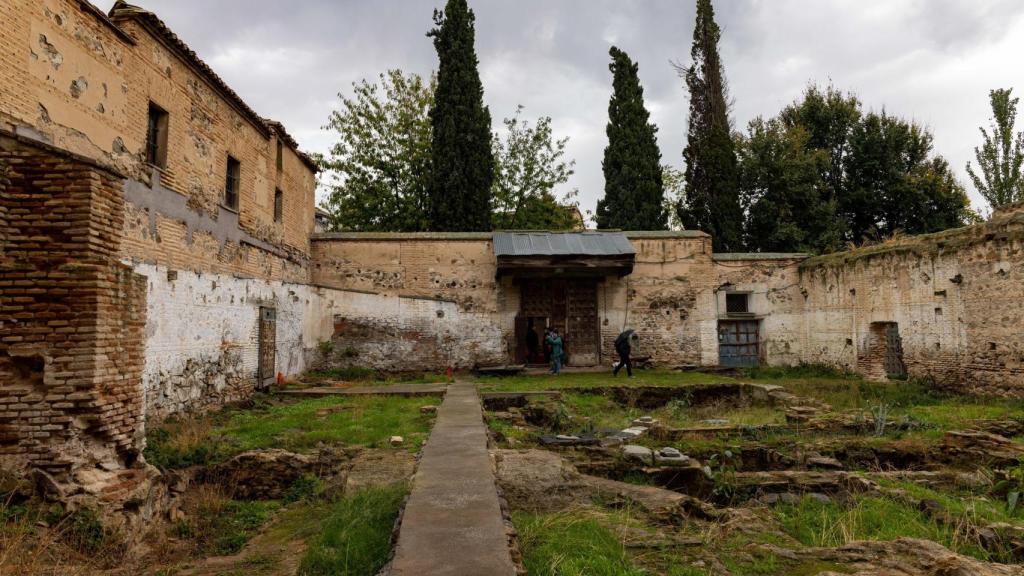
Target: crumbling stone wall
column 772, row 283
column 432, row 300
column 416, row 301
column 202, row 335
column 957, row 298
column 71, row 316
column 667, row 299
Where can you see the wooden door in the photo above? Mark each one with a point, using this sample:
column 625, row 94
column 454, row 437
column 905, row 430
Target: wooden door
column 894, row 366
column 266, row 372
column 738, row 343
column 583, row 330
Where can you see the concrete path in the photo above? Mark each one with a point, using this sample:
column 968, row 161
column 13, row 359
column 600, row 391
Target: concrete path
column 452, row 524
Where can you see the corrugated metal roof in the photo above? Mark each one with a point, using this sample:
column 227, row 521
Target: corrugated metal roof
column 561, row 244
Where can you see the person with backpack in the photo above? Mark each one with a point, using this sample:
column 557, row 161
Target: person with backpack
column 557, row 350
column 624, row 345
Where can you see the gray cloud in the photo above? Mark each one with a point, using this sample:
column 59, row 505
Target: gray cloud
column 931, row 60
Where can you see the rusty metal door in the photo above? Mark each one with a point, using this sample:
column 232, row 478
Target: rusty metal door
column 894, row 366
column 739, row 343
column 265, row 373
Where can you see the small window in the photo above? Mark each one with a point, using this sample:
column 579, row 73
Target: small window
column 278, row 206
column 156, row 136
column 737, row 303
column 234, row 176
column 280, row 155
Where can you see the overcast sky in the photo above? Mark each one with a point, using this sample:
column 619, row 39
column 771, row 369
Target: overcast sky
column 930, row 60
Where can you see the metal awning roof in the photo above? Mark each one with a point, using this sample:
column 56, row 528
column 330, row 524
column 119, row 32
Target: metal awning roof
column 546, row 254
column 562, row 244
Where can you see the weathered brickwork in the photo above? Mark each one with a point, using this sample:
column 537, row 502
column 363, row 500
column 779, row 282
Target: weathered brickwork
column 83, row 81
column 957, row 298
column 72, row 316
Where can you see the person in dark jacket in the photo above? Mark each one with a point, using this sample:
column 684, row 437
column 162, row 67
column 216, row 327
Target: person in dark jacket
column 557, row 351
column 623, row 346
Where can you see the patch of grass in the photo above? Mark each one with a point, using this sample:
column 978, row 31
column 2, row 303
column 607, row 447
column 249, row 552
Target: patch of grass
column 355, row 536
column 658, row 377
column 364, row 420
column 802, row 371
column 297, row 426
column 832, row 524
column 371, row 377
column 220, row 526
column 978, row 509
column 565, row 544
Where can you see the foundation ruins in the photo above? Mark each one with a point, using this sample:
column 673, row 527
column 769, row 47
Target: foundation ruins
column 158, row 257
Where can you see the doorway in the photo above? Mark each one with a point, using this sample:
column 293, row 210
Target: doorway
column 739, row 343
column 265, row 372
column 567, row 305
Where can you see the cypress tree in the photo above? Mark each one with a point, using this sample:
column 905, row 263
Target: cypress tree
column 463, row 163
column 633, row 188
column 712, row 200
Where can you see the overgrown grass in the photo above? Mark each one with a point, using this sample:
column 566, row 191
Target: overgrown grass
column 603, row 412
column 659, row 377
column 298, row 426
column 218, row 525
column 978, row 509
column 355, row 534
column 567, row 544
column 833, row 524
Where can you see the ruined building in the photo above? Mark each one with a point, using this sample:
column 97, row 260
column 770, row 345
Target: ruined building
column 158, row 254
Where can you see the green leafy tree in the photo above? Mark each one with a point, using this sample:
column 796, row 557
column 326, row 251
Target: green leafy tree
column 675, row 194
column 633, row 189
column 829, row 117
column 462, row 159
column 1002, row 154
column 378, row 171
column 894, row 184
column 783, row 187
column 529, row 165
column 712, row 184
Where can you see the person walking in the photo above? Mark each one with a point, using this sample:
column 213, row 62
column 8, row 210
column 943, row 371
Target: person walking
column 557, row 350
column 624, row 346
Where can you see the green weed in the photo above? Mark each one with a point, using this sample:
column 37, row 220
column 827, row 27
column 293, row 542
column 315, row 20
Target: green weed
column 355, row 536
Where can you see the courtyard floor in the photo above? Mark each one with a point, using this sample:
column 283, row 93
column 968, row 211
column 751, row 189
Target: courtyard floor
column 797, row 471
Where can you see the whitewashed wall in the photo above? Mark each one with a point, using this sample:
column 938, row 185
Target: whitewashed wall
column 202, row 335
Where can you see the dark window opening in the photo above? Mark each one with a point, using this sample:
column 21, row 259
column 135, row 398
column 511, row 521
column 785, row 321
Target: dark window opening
column 737, row 304
column 231, row 184
column 278, row 206
column 280, row 155
column 156, row 136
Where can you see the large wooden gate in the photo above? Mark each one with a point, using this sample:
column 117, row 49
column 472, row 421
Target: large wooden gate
column 739, row 343
column 569, row 305
column 265, row 373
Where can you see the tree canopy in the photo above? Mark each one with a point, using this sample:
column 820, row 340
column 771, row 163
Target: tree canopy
column 712, row 199
column 633, row 189
column 1001, row 155
column 378, row 172
column 530, row 164
column 461, row 155
column 824, row 173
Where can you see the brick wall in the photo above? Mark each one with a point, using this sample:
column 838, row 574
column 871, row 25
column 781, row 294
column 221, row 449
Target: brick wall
column 957, row 298
column 71, row 316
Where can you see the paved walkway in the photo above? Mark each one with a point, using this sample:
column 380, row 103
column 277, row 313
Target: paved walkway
column 452, row 524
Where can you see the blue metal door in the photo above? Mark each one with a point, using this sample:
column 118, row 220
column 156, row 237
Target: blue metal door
column 738, row 343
